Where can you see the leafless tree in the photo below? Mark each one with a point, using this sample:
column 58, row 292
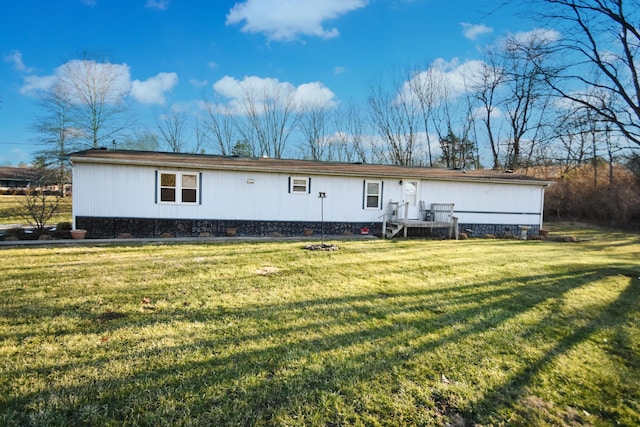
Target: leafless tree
column 56, row 131
column 592, row 138
column 222, row 124
column 395, row 116
column 348, row 143
column 201, row 135
column 269, row 117
column 171, row 127
column 451, row 118
column 313, row 121
column 426, row 87
column 485, row 88
column 96, row 92
column 527, row 95
column 603, row 34
column 572, row 129
column 141, row 139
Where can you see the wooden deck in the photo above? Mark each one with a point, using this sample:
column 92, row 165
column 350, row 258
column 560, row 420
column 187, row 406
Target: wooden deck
column 441, row 213
column 394, row 228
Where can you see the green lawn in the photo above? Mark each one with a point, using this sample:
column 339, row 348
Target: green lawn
column 12, row 211
column 494, row 332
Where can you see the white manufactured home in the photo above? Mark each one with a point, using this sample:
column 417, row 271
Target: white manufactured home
column 148, row 194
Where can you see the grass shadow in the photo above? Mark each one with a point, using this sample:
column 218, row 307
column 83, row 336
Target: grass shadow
column 315, row 361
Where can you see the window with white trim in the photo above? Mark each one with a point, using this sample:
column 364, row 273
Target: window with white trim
column 299, row 185
column 372, row 194
column 178, row 187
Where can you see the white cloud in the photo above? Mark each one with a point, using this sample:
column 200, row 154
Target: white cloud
column 15, row 58
column 157, row 4
column 481, row 113
column 287, row 19
column 451, row 78
column 338, row 70
column 261, row 90
column 315, row 95
column 34, row 84
column 538, row 34
column 153, row 90
column 115, row 78
column 457, row 74
column 472, row 31
column 232, row 88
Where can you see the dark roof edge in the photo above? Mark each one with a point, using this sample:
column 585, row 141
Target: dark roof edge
column 265, row 164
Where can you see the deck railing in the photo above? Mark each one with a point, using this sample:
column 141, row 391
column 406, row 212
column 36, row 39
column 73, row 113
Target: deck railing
column 393, row 214
column 440, row 215
column 442, row 212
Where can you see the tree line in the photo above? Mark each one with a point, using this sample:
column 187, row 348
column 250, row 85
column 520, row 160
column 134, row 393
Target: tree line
column 564, row 97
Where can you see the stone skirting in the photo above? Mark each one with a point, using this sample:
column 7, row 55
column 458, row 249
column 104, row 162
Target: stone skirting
column 110, row 228
column 477, row 230
column 481, row 230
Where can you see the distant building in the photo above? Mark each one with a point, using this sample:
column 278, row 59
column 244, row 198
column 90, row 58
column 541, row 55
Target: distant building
column 16, row 178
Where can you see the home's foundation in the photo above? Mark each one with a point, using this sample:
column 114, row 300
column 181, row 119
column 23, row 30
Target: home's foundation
column 111, row 228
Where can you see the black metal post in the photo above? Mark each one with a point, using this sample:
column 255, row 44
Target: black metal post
column 322, row 195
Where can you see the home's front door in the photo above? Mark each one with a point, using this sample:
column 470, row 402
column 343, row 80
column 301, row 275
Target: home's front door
column 410, row 195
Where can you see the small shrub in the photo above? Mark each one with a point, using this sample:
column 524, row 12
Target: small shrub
column 38, row 207
column 15, row 233
column 62, row 230
column 64, row 225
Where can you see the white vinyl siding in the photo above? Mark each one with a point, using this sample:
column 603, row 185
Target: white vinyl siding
column 132, row 191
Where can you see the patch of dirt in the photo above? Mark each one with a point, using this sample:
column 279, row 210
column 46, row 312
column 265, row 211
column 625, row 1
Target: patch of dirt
column 566, row 239
column 263, row 271
column 321, row 247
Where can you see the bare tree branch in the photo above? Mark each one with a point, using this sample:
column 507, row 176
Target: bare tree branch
column 171, row 126
column 96, row 93
column 604, row 35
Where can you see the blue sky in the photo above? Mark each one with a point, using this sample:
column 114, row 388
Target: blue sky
column 175, row 51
